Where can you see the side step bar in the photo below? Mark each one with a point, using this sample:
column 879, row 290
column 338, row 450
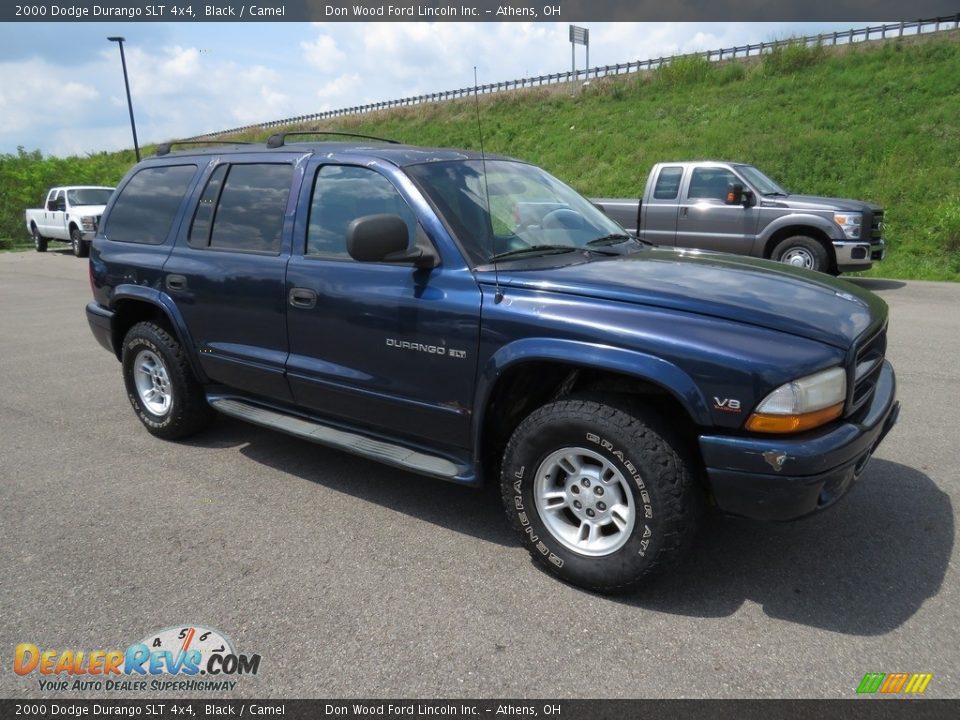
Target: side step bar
column 351, row 442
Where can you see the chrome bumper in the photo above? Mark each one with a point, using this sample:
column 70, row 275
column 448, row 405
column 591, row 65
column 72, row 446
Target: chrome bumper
column 855, row 255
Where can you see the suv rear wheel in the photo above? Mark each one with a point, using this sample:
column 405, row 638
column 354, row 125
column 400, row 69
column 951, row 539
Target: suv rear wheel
column 160, row 384
column 601, row 497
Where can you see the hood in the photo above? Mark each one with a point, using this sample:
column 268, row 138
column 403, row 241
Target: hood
column 815, row 202
column 746, row 290
column 87, row 209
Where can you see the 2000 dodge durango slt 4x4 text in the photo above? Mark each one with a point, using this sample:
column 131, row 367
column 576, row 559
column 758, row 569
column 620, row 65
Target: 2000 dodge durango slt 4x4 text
column 386, row 300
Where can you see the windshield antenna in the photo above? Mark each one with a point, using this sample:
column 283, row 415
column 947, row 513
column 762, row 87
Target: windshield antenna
column 498, row 295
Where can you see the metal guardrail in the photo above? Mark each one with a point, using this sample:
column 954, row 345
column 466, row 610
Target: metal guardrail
column 854, row 35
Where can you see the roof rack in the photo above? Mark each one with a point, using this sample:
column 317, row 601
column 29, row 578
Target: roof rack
column 277, row 139
column 164, row 148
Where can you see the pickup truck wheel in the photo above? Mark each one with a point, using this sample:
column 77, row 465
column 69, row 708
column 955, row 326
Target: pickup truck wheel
column 80, row 247
column 160, row 384
column 802, row 251
column 39, row 242
column 601, row 497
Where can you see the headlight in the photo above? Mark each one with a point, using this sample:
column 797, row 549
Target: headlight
column 802, row 404
column 89, row 223
column 850, row 223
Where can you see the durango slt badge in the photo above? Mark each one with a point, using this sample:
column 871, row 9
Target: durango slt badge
column 425, row 348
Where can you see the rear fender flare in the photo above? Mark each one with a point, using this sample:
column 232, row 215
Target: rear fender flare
column 168, row 307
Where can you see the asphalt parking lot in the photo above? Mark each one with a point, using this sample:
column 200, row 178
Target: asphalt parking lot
column 352, row 579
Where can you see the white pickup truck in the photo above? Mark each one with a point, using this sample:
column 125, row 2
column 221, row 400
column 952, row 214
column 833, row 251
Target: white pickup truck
column 70, row 214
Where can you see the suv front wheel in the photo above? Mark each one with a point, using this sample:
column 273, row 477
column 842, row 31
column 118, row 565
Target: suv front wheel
column 160, row 384
column 601, row 497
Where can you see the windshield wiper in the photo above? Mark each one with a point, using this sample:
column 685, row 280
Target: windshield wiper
column 545, row 249
column 775, row 193
column 612, row 239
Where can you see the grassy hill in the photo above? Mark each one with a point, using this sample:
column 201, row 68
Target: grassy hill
column 877, row 121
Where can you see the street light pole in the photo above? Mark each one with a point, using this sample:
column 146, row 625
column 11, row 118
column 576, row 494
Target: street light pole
column 126, row 82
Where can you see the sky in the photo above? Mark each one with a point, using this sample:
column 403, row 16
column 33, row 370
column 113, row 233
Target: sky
column 61, row 84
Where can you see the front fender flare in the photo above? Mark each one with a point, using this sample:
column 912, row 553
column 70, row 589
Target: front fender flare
column 595, row 356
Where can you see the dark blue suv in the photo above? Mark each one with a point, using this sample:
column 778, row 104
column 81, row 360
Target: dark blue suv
column 471, row 317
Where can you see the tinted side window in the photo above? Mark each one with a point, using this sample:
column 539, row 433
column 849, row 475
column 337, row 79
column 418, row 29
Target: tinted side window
column 252, row 203
column 710, row 183
column 147, row 205
column 203, row 217
column 668, row 183
column 343, row 193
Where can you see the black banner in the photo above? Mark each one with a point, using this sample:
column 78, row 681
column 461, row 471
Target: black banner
column 860, row 709
column 473, row 10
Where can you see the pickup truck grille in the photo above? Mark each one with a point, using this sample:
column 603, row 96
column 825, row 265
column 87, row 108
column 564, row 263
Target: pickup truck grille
column 876, row 224
column 866, row 367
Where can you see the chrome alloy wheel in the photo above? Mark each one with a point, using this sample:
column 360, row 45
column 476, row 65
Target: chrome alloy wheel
column 799, row 257
column 153, row 383
column 584, row 501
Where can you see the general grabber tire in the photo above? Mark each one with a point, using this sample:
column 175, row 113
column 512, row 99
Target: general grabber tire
column 601, row 496
column 160, row 384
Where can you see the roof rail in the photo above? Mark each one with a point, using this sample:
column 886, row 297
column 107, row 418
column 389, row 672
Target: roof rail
column 278, row 139
column 164, row 148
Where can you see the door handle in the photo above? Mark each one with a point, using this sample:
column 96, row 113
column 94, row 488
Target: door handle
column 176, row 282
column 303, row 298
column 683, row 212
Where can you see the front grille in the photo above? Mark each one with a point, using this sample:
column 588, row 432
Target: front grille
column 876, row 224
column 866, row 368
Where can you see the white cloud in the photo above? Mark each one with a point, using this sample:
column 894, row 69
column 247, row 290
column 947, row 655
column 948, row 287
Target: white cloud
column 323, row 53
column 32, row 84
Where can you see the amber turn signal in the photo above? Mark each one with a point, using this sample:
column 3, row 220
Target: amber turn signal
column 762, row 422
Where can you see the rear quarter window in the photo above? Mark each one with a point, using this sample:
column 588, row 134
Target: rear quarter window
column 147, row 205
column 668, row 183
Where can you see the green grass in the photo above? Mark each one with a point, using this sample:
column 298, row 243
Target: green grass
column 873, row 122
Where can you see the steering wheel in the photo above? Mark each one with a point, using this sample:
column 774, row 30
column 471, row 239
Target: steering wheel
column 563, row 219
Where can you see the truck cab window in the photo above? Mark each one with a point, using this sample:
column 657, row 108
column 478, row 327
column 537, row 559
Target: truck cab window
column 710, row 183
column 668, row 183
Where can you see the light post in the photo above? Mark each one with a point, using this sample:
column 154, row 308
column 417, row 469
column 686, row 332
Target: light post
column 126, row 82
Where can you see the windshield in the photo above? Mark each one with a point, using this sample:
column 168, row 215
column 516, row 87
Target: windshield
column 89, row 196
column 531, row 212
column 763, row 184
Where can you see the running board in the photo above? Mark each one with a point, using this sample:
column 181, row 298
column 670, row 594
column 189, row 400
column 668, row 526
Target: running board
column 351, row 442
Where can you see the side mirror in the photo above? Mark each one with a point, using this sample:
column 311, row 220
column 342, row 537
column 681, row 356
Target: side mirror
column 52, row 205
column 384, row 238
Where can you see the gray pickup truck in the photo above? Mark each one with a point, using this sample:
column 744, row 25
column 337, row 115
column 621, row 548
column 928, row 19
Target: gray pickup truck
column 735, row 208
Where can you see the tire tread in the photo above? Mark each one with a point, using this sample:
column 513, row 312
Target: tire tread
column 680, row 501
